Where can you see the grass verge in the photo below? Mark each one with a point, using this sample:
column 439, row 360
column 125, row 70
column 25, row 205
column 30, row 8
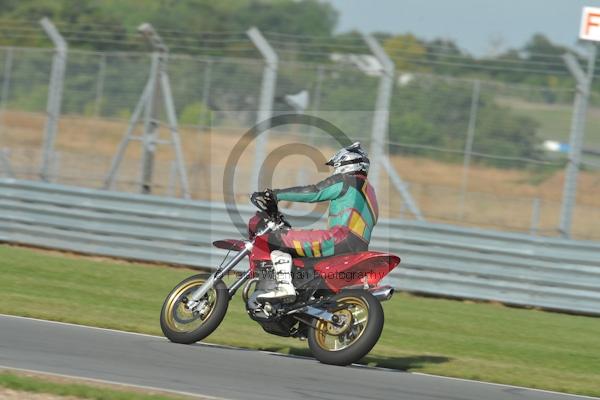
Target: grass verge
column 74, row 388
column 461, row 339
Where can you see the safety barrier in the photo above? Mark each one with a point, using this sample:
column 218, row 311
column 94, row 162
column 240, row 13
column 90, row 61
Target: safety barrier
column 436, row 258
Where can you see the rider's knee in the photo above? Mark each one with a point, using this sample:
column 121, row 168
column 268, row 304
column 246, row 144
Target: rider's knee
column 278, row 255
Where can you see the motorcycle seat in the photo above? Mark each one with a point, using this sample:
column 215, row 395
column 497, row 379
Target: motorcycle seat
column 308, row 262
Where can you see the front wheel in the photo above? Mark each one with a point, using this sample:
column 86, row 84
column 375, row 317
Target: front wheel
column 182, row 325
column 361, row 323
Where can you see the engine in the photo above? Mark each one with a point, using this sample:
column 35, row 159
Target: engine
column 266, row 314
column 263, row 281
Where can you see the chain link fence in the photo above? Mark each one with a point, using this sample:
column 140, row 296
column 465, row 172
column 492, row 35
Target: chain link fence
column 470, row 152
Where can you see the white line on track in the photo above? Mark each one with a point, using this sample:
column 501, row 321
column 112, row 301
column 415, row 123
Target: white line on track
column 110, row 330
column 107, row 382
column 507, row 386
column 294, row 356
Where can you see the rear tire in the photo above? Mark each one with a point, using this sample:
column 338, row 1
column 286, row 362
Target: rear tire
column 179, row 324
column 357, row 340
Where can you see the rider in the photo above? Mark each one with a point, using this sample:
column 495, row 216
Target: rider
column 353, row 212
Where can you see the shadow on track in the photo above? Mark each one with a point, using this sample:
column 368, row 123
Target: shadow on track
column 398, row 363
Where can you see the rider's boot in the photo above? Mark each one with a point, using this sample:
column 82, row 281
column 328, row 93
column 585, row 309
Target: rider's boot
column 282, row 266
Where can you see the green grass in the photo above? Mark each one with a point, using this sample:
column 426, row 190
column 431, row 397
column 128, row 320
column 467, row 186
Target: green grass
column 79, row 390
column 462, row 339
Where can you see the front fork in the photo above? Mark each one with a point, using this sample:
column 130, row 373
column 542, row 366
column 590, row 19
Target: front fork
column 199, row 293
column 218, row 274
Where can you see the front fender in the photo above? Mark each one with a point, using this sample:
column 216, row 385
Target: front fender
column 230, row 244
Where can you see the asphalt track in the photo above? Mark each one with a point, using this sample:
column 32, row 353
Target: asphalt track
column 223, row 372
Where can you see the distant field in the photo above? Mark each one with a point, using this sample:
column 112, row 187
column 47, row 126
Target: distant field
column 555, row 120
column 462, row 339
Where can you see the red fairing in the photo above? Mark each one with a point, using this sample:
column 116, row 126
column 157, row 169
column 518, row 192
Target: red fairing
column 350, row 269
column 260, row 251
column 253, row 224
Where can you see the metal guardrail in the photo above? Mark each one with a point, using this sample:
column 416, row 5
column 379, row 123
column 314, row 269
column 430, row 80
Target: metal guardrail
column 436, row 258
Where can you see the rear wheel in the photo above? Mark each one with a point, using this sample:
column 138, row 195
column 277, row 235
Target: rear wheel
column 182, row 325
column 360, row 325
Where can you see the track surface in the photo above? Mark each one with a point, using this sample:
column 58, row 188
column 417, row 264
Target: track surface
column 220, row 371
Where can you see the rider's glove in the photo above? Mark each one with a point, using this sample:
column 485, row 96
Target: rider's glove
column 267, row 195
column 270, row 195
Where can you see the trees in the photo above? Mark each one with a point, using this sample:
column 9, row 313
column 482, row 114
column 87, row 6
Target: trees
column 434, row 112
column 114, row 18
column 427, row 110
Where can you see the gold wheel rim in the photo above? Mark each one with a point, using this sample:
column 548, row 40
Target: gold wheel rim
column 326, row 335
column 177, row 312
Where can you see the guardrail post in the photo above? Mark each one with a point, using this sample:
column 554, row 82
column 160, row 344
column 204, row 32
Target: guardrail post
column 55, row 89
column 584, row 84
column 267, row 94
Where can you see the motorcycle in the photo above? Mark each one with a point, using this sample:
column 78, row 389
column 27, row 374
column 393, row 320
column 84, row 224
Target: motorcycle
column 337, row 307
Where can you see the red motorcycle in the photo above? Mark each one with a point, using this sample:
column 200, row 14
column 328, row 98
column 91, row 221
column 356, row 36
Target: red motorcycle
column 337, row 307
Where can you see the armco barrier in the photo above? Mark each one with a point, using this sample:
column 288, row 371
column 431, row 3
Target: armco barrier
column 436, row 259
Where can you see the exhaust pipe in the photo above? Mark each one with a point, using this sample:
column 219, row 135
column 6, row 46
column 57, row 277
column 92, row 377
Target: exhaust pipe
column 382, row 293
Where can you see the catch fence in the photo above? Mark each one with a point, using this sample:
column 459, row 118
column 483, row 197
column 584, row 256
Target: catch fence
column 468, row 151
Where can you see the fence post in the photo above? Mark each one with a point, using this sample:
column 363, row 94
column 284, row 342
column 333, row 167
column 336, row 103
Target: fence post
column 535, row 216
column 8, row 61
column 267, row 94
column 100, row 85
column 584, row 85
column 157, row 85
column 402, row 188
column 4, row 158
column 380, row 127
column 204, row 122
column 5, row 163
column 316, row 103
column 382, row 107
column 55, row 89
column 172, row 185
column 314, row 110
column 469, row 145
column 151, row 117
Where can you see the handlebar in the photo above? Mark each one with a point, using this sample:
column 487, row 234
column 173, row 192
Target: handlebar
column 267, row 202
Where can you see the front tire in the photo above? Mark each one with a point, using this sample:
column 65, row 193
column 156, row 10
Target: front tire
column 346, row 344
column 181, row 325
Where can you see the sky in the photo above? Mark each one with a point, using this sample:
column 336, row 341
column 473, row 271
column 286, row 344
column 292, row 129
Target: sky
column 482, row 27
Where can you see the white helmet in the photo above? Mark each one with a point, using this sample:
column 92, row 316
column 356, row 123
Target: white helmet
column 350, row 159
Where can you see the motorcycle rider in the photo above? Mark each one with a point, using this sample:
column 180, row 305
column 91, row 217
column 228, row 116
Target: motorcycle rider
column 353, row 212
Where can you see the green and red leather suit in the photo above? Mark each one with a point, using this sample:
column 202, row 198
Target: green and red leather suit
column 353, row 212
